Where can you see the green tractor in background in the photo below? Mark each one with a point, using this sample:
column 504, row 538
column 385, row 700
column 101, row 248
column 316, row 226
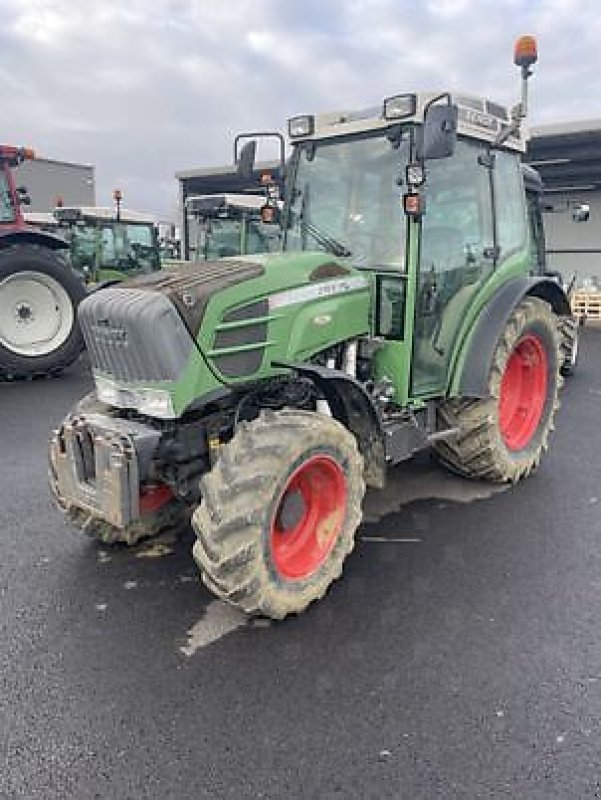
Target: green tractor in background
column 260, row 395
column 106, row 245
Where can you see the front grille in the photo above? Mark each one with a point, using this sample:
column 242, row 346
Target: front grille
column 134, row 335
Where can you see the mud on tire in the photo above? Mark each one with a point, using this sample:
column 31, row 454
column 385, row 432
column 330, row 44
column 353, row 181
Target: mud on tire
column 481, row 448
column 276, row 462
column 568, row 331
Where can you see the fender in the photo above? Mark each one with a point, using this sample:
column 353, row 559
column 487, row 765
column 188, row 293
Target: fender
column 353, row 407
column 473, row 380
column 40, row 238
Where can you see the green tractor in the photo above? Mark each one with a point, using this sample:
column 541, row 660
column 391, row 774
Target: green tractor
column 106, row 245
column 260, row 395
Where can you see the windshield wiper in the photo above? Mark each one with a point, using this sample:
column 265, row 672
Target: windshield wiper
column 325, row 240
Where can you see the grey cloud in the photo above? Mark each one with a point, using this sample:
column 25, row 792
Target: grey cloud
column 142, row 89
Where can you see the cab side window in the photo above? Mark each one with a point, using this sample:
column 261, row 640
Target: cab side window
column 510, row 209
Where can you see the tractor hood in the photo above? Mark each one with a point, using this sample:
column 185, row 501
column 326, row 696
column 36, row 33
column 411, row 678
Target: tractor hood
column 214, row 324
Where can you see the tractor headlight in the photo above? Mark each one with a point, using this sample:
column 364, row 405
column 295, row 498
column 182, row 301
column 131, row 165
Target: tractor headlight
column 399, row 106
column 301, row 126
column 107, row 392
column 155, row 403
column 152, row 402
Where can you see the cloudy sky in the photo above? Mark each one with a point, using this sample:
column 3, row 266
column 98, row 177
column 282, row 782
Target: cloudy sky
column 142, row 88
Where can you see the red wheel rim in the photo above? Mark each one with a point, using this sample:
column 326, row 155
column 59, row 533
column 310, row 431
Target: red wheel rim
column 309, row 517
column 523, row 392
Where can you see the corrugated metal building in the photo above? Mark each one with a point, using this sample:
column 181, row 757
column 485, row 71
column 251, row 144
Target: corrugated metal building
column 47, row 179
column 568, row 157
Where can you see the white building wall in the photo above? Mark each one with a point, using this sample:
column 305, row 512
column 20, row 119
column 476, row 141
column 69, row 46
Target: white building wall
column 573, row 247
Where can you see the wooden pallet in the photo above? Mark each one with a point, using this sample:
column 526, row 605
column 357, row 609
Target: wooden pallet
column 586, row 305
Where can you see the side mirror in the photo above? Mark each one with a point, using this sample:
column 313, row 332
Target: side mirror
column 439, row 132
column 24, row 200
column 21, row 189
column 581, row 212
column 246, row 160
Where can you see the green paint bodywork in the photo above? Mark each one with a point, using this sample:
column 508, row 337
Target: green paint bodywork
column 419, row 361
column 296, row 332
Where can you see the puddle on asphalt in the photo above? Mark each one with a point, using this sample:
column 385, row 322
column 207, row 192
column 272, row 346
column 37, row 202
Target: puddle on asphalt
column 415, row 480
column 218, row 620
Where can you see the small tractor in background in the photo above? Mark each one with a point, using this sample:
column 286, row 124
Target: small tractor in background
column 39, row 292
column 107, row 246
column 229, row 225
column 260, row 395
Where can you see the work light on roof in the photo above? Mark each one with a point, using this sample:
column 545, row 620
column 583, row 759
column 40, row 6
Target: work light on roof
column 399, row 106
column 301, row 126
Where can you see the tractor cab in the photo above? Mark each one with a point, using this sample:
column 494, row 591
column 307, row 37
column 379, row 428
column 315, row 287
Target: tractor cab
column 425, row 195
column 107, row 246
column 229, row 225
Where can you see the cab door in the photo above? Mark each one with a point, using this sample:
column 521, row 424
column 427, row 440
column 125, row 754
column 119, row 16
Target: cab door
column 457, row 255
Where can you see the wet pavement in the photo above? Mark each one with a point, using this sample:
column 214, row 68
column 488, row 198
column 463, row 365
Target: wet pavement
column 459, row 656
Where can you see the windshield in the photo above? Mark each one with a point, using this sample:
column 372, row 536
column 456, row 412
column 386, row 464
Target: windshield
column 347, row 200
column 223, row 237
column 7, row 209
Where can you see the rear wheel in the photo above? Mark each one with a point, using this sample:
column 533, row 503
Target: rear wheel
column 39, row 295
column 503, row 436
column 279, row 512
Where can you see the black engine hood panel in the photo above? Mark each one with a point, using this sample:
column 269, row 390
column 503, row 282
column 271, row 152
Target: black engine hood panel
column 190, row 287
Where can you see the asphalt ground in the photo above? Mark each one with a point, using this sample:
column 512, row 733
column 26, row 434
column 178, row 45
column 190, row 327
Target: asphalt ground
column 459, row 656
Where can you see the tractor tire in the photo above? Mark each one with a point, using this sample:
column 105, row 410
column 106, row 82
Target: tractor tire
column 568, row 331
column 502, row 437
column 39, row 296
column 279, row 512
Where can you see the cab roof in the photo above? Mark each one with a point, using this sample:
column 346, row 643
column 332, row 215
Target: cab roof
column 478, row 118
column 101, row 213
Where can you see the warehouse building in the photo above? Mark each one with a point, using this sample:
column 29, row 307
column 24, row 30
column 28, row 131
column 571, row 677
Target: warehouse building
column 568, row 157
column 47, row 179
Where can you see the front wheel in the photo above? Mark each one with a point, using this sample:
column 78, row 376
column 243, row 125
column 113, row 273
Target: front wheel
column 502, row 437
column 279, row 512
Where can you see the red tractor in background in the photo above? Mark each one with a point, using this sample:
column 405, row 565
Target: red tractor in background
column 39, row 292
